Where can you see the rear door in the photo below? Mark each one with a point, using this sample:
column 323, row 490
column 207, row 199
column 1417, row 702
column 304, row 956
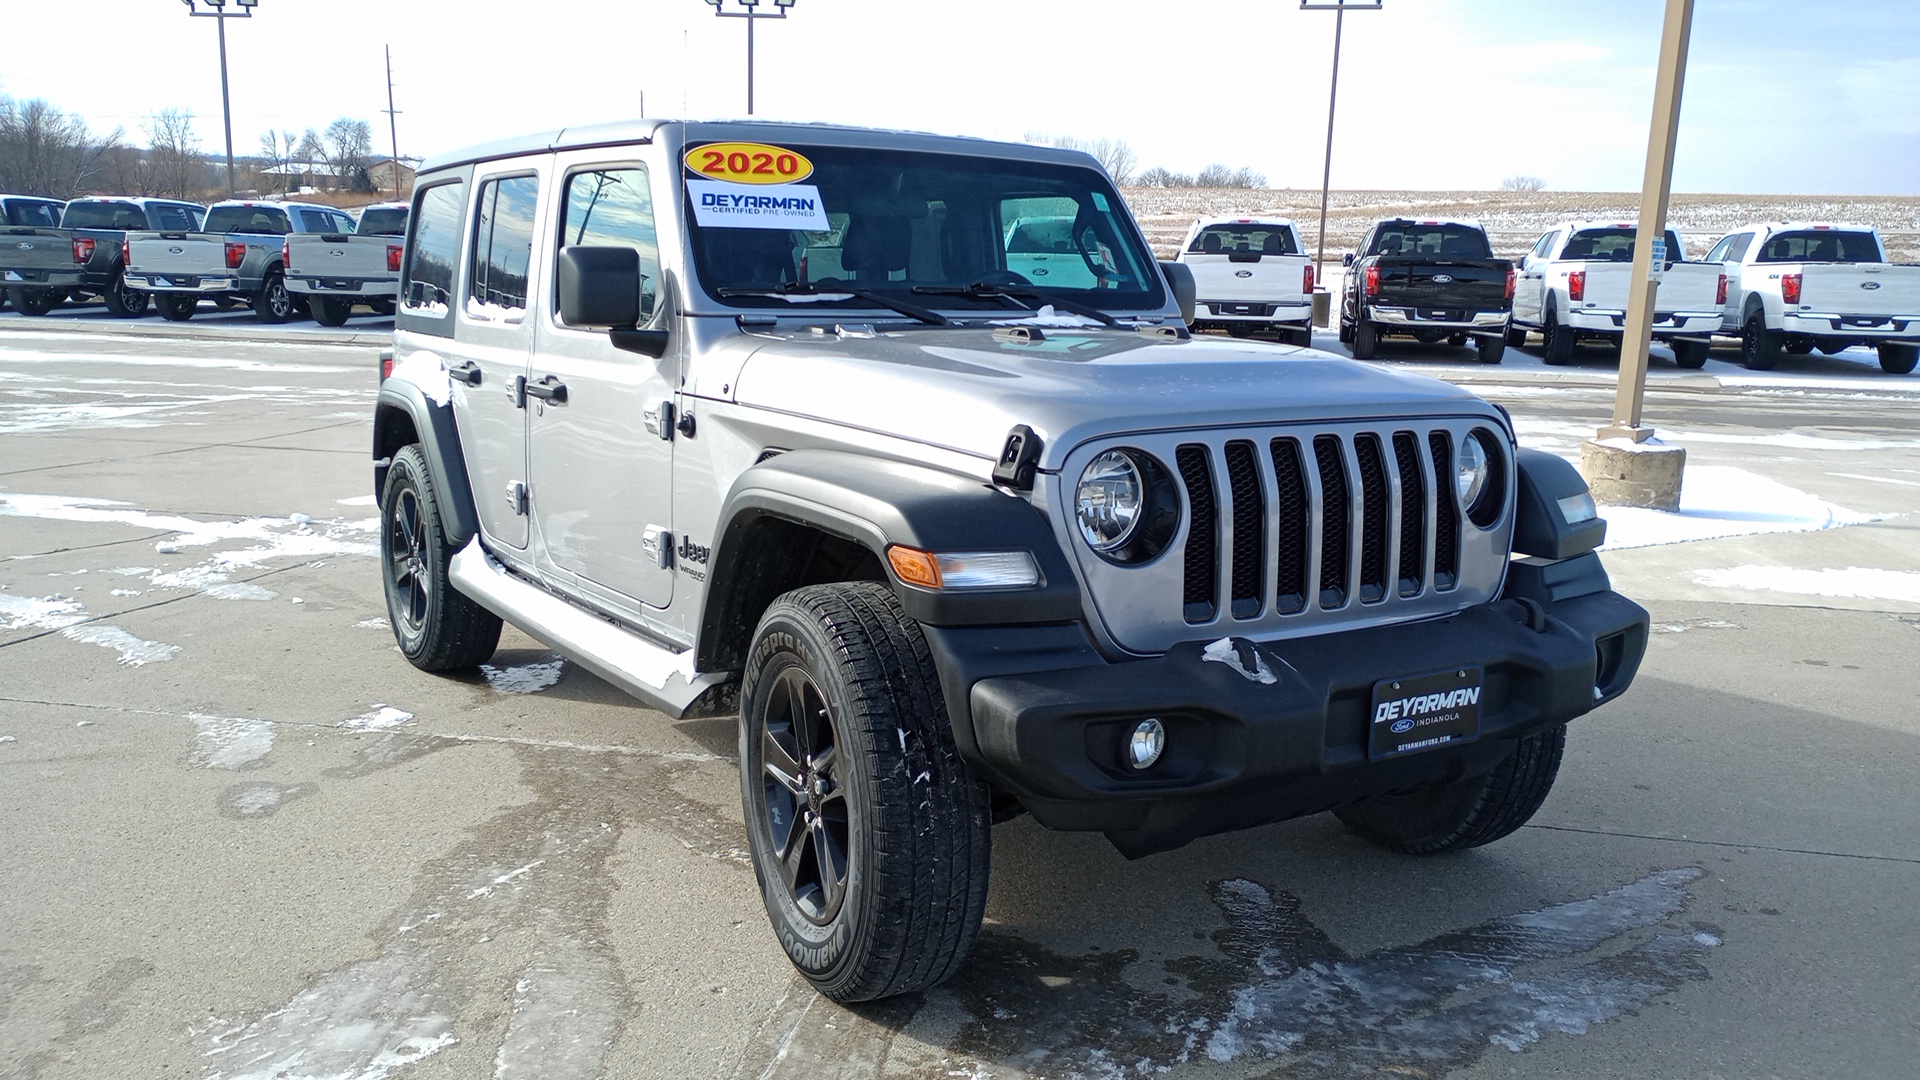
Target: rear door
column 602, row 464
column 1530, row 280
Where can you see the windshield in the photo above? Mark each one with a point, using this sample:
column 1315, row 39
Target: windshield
column 1431, row 239
column 1242, row 237
column 383, row 221
column 894, row 223
column 260, row 220
column 1821, row 245
column 1615, row 245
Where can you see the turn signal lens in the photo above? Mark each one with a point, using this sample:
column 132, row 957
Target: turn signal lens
column 1306, row 280
column 393, row 259
column 286, row 255
column 1720, row 295
column 1790, row 288
column 82, row 248
column 1510, row 280
column 1578, row 509
column 1373, row 281
column 964, row 569
column 1577, row 285
column 914, row 566
column 236, row 254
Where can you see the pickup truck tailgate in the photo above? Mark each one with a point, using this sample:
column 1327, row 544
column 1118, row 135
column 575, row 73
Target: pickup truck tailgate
column 340, row 256
column 1437, row 284
column 1251, row 276
column 28, row 253
column 1690, row 287
column 173, row 254
column 1865, row 290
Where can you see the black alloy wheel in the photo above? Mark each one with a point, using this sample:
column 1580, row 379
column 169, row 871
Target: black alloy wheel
column 1691, row 355
column 123, row 300
column 1557, row 342
column 437, row 627
column 30, row 301
column 805, row 811
column 1759, row 346
column 176, row 307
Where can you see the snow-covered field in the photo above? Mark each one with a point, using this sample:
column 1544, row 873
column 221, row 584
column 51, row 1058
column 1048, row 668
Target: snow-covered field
column 1516, row 219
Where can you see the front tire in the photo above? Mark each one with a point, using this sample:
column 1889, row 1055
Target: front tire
column 1366, row 340
column 1557, row 342
column 438, row 627
column 1465, row 813
column 1759, row 346
column 176, row 307
column 31, row 301
column 1691, row 355
column 1516, row 337
column 329, row 311
column 273, row 303
column 1897, row 358
column 123, row 301
column 870, row 839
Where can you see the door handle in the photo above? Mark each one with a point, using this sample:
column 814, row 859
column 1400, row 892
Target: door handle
column 468, row 373
column 548, row 388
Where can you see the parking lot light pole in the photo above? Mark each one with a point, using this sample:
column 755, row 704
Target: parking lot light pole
column 217, row 11
column 751, row 12
column 1340, row 9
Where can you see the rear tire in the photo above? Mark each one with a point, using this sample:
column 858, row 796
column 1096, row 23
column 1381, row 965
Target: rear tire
column 1300, row 335
column 438, row 627
column 1240, row 330
column 1897, row 358
column 1557, row 342
column 329, row 311
column 1759, row 346
column 1457, row 340
column 273, row 303
column 1691, row 355
column 28, row 301
column 870, row 838
column 1516, row 337
column 1465, row 813
column 176, row 307
column 1492, row 348
column 124, row 302
column 382, row 306
column 1366, row 340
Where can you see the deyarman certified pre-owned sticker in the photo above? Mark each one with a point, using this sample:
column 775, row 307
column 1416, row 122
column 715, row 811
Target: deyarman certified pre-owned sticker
column 753, row 206
column 748, row 163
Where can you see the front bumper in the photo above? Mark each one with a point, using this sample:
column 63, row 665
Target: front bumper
column 1241, row 753
column 1411, row 318
column 182, row 283
column 1853, row 326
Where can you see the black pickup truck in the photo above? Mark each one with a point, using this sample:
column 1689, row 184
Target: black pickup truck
column 84, row 256
column 1431, row 280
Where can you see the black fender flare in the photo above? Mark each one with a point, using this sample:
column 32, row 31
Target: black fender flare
column 1540, row 528
column 439, row 438
column 876, row 504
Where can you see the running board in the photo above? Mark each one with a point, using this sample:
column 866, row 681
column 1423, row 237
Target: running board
column 662, row 678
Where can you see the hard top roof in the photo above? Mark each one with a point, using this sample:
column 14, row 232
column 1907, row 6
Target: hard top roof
column 138, row 200
column 1242, row 219
column 273, row 202
column 676, row 134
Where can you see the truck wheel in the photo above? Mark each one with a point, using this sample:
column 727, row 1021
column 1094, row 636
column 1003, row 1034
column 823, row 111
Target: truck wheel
column 124, row 302
column 1691, row 355
column 176, row 307
column 1516, row 337
column 382, row 306
column 273, row 303
column 1302, row 335
column 30, row 301
column 1456, row 340
column 1556, row 342
column 1492, row 348
column 1366, row 340
column 1897, row 358
column 438, row 627
column 1834, row 347
column 1465, row 813
column 1759, row 346
column 1346, row 332
column 869, row 837
column 1797, row 344
column 328, row 311
column 1240, row 330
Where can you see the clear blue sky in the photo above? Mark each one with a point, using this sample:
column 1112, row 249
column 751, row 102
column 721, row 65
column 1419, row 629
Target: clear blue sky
column 1783, row 96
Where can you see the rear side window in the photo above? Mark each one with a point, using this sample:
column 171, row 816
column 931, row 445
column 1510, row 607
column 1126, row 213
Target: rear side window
column 384, row 221
column 259, row 220
column 428, row 288
column 1821, row 245
column 1730, row 248
column 614, row 207
column 173, row 218
column 502, row 248
column 45, row 215
column 1244, row 237
column 316, row 221
column 1421, row 239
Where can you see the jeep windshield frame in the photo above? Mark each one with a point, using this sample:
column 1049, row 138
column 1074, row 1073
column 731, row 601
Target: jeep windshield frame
column 906, row 224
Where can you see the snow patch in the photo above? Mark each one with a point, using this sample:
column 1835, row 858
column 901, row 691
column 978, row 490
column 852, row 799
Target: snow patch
column 69, row 617
column 134, row 651
column 1047, row 316
column 523, row 678
column 382, row 717
column 425, row 371
column 1854, row 582
column 359, row 1023
column 1228, row 651
column 230, row 742
column 1718, row 501
column 565, row 1015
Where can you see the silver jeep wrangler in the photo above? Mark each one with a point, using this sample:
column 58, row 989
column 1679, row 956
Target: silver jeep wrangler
column 755, row 418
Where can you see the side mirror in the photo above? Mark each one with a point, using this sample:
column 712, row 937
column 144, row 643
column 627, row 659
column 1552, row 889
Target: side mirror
column 1180, row 279
column 600, row 286
column 1347, row 259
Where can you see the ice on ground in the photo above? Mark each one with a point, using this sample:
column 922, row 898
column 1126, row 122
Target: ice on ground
column 70, row 618
column 523, row 678
column 134, row 651
column 1718, row 501
column 1853, row 582
column 382, row 717
column 230, row 742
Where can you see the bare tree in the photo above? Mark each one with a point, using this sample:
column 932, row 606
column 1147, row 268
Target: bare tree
column 175, row 165
column 1158, row 177
column 349, row 145
column 1523, row 183
column 280, row 150
column 1114, row 155
column 44, row 151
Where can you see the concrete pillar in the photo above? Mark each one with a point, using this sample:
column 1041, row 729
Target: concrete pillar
column 1622, row 472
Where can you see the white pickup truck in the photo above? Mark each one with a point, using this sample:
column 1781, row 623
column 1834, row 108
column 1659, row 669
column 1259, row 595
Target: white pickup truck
column 1574, row 284
column 334, row 271
column 1250, row 274
column 1801, row 286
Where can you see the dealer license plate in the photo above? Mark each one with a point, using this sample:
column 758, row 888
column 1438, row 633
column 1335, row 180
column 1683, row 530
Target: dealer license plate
column 1422, row 712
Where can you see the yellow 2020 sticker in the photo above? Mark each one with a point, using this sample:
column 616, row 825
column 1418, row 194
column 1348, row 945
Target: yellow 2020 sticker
column 748, row 163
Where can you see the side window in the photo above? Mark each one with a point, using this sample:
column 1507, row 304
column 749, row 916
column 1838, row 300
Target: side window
column 614, row 207
column 428, row 287
column 1676, row 251
column 171, row 218
column 315, row 221
column 1738, row 248
column 1545, row 245
column 502, row 248
column 1719, row 252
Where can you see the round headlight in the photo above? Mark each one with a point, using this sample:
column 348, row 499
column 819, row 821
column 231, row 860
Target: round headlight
column 1470, row 471
column 1109, row 501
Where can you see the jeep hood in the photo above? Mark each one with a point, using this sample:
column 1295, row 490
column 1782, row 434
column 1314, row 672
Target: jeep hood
column 962, row 389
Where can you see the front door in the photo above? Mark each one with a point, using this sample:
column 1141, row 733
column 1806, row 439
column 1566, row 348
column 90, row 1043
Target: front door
column 602, row 460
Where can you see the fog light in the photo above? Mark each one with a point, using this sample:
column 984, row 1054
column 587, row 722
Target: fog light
column 1149, row 738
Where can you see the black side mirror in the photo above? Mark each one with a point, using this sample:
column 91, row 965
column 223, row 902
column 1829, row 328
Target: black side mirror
column 1180, row 279
column 600, row 286
column 1347, row 259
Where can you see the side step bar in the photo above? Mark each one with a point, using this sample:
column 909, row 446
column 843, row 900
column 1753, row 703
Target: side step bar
column 662, row 678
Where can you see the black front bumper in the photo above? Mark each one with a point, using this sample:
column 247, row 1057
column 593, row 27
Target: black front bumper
column 1043, row 716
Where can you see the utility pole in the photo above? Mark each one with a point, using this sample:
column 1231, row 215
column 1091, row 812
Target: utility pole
column 393, row 129
column 219, row 14
column 1340, row 9
column 752, row 14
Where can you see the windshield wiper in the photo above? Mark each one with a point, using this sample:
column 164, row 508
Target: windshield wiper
column 833, row 286
column 981, row 290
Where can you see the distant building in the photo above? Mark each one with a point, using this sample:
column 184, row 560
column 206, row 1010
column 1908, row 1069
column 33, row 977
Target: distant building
column 381, row 174
column 302, row 176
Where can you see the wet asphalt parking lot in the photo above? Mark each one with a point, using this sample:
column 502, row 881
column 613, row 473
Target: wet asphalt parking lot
column 241, row 838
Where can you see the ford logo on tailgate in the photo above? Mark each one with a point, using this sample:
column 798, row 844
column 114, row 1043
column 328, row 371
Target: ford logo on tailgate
column 1243, row 273
column 1869, row 284
column 176, row 251
column 1442, row 279
column 24, row 246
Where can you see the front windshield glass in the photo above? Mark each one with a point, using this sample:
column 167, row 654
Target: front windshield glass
column 916, row 227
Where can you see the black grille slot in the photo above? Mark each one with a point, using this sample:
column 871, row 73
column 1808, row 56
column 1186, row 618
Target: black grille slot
column 1290, row 572
column 1373, row 523
column 1249, row 530
column 1334, row 498
column 1413, row 512
column 1203, row 534
column 1446, row 534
